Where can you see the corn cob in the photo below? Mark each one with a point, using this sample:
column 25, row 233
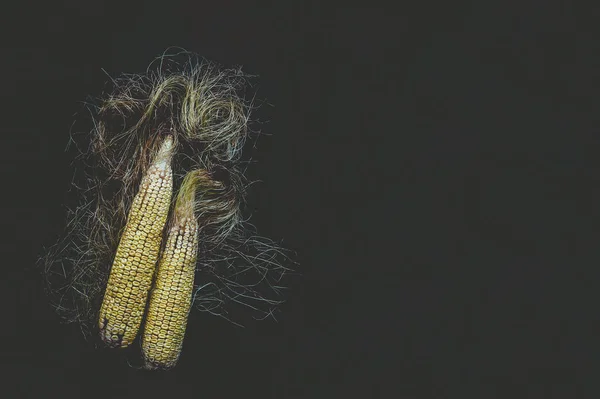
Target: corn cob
column 131, row 275
column 171, row 297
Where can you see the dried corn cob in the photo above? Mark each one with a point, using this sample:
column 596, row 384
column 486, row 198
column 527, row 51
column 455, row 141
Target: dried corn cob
column 171, row 297
column 134, row 264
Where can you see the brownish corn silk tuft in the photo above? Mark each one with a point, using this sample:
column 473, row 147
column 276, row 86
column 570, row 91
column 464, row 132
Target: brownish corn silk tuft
column 133, row 268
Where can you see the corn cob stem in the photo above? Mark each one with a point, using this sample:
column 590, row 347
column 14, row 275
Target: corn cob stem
column 134, row 264
column 171, row 297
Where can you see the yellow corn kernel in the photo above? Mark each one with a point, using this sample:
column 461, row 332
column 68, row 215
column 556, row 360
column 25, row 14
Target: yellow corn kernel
column 171, row 297
column 135, row 261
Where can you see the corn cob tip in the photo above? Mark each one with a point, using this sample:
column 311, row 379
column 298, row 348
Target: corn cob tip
column 165, row 153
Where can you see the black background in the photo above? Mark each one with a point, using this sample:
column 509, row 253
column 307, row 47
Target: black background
column 434, row 165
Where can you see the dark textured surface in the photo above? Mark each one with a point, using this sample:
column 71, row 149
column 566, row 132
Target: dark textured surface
column 434, row 165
